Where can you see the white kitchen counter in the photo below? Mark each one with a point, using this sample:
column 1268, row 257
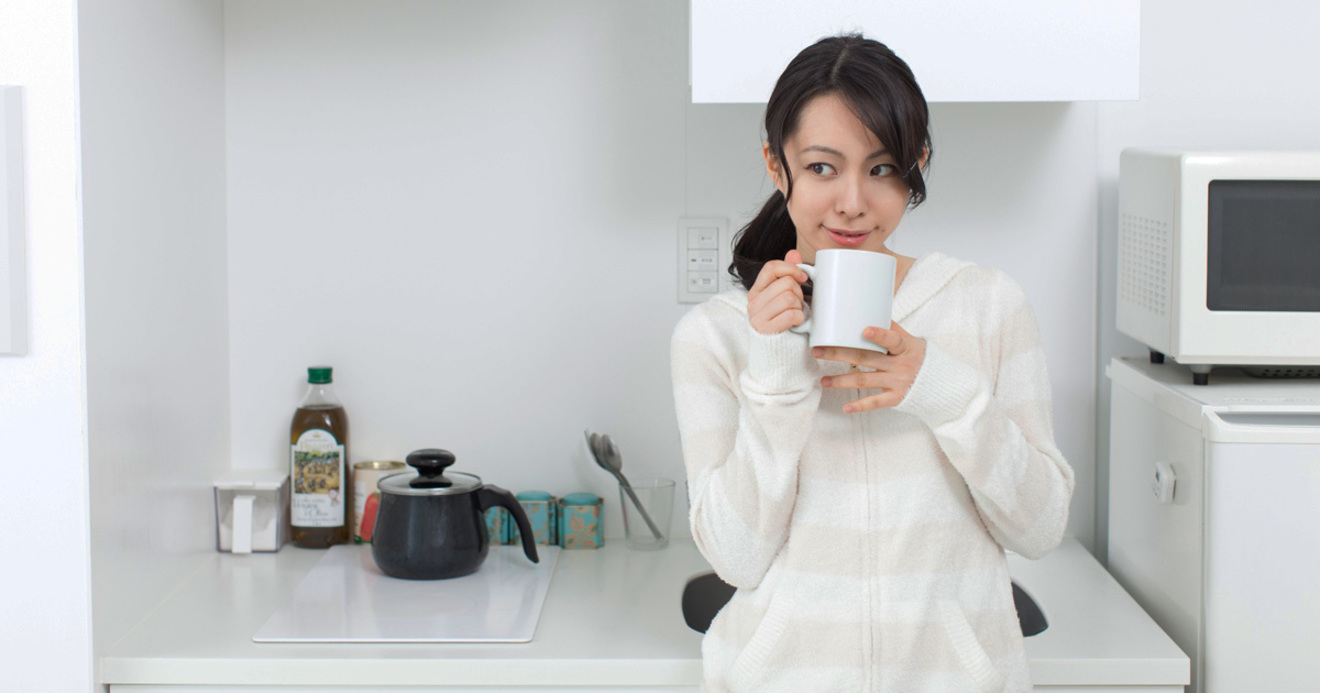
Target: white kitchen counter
column 612, row 618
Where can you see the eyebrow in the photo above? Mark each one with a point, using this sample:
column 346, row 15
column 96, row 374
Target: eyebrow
column 834, row 152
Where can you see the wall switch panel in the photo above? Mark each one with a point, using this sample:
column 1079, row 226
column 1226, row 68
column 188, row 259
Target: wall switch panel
column 703, row 258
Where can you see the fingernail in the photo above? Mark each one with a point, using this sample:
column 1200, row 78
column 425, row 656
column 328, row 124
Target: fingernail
column 817, row 352
column 868, row 332
column 825, row 382
column 847, row 408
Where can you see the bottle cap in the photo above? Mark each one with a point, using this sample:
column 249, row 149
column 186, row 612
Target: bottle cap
column 534, row 496
column 318, row 375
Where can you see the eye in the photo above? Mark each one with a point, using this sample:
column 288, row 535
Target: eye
column 884, row 170
column 821, row 169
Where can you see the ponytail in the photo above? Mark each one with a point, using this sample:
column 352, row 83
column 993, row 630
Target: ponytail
column 768, row 236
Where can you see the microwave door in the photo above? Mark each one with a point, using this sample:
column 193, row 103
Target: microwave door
column 1263, row 246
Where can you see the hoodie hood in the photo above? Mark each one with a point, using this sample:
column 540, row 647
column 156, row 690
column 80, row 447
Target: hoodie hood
column 929, row 274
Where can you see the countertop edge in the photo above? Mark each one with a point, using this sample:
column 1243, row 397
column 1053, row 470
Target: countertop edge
column 166, row 650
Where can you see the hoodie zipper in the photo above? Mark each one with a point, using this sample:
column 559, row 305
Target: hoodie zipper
column 869, row 661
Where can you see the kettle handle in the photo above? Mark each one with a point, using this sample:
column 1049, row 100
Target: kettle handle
column 491, row 496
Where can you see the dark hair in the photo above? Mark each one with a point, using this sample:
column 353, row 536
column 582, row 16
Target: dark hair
column 878, row 88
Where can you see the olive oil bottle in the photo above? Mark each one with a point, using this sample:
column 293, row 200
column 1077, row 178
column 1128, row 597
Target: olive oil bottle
column 318, row 466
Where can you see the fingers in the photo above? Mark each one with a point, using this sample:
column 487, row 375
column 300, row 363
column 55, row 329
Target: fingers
column 892, row 340
column 782, row 321
column 776, row 302
column 888, row 398
column 890, row 375
column 781, row 288
column 776, row 269
column 848, row 355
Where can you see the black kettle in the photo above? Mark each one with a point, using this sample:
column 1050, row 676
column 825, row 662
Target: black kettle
column 431, row 525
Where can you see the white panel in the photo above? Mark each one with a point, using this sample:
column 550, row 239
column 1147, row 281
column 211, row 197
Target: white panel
column 347, row 598
column 46, row 640
column 1022, row 50
column 1155, row 549
column 152, row 135
column 1262, row 559
column 13, row 253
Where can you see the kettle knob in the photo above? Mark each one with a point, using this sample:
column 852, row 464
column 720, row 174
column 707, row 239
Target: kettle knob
column 430, row 464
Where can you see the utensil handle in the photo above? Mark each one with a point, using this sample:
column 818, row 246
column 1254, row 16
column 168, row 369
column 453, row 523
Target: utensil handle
column 627, row 487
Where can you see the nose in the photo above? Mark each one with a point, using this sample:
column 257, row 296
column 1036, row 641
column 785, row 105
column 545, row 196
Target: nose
column 851, row 201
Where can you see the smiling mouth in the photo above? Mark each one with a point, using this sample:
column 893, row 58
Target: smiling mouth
column 850, row 238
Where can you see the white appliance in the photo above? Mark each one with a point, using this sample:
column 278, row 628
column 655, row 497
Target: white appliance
column 1218, row 256
column 1214, row 519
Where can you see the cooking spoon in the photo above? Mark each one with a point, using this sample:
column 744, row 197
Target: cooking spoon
column 607, row 456
column 614, row 459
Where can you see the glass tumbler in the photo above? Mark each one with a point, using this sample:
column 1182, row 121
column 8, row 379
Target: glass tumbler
column 656, row 495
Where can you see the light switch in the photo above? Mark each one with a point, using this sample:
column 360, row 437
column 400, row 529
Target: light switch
column 701, row 237
column 703, row 260
column 702, row 257
column 701, row 282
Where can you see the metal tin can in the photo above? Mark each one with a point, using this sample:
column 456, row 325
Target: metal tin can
column 579, row 521
column 366, row 498
column 542, row 514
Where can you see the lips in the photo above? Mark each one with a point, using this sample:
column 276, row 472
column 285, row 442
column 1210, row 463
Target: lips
column 847, row 238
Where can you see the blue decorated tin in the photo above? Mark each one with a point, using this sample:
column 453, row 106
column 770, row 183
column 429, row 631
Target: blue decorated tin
column 580, row 525
column 543, row 515
column 497, row 525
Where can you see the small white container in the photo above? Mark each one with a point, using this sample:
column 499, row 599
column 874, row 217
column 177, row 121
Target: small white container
column 252, row 510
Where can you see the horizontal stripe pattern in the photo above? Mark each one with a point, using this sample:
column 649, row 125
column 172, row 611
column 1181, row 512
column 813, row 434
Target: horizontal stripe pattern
column 868, row 548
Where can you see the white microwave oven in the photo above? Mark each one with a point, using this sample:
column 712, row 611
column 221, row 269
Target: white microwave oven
column 1219, row 259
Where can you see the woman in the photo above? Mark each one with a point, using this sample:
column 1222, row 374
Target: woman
column 861, row 502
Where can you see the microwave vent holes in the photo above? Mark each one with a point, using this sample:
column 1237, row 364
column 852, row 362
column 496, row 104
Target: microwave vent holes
column 1282, row 371
column 1143, row 263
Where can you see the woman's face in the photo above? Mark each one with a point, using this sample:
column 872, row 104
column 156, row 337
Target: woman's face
column 847, row 191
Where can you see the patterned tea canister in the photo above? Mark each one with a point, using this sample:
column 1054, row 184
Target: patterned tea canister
column 497, row 526
column 542, row 514
column 579, row 521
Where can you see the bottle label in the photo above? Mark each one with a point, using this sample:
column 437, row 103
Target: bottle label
column 318, row 480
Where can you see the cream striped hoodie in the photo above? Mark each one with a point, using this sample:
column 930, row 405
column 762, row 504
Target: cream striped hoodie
column 867, row 548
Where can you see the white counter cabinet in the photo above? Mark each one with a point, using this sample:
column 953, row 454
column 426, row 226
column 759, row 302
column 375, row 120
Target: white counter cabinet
column 611, row 622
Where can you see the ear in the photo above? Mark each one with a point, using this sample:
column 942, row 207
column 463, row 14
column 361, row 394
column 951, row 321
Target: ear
column 774, row 168
column 925, row 156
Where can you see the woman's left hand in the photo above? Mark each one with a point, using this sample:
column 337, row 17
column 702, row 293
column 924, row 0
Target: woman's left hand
column 892, row 373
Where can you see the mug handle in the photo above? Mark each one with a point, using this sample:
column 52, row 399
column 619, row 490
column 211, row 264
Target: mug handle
column 805, row 327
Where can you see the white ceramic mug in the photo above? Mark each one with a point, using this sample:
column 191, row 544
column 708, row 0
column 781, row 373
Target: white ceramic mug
column 851, row 291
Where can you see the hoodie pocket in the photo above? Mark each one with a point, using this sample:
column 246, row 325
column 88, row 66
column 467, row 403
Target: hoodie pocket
column 975, row 662
column 749, row 667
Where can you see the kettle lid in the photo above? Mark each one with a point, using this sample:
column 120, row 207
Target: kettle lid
column 430, row 479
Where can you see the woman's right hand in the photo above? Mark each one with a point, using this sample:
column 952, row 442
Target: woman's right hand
column 775, row 302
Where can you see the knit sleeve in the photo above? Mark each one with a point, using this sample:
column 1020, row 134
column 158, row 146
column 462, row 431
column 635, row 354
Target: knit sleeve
column 743, row 431
column 996, row 427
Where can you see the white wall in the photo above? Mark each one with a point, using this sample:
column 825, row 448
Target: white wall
column 45, row 627
column 1214, row 75
column 152, row 89
column 469, row 210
